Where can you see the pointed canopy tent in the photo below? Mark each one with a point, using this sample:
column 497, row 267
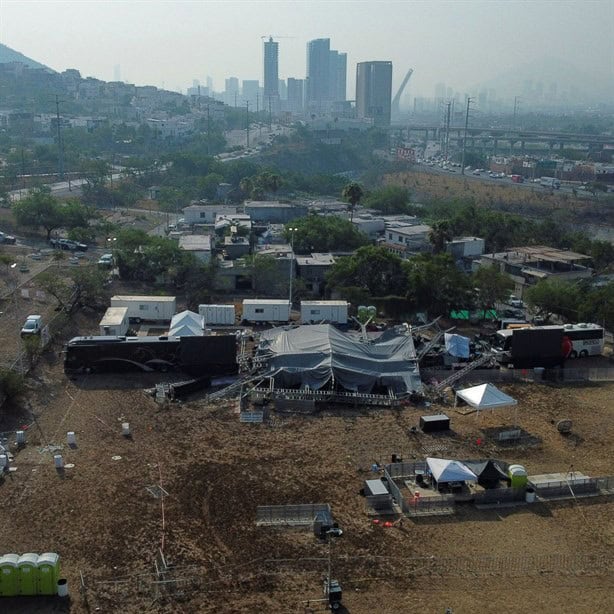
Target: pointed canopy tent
column 444, row 470
column 489, row 472
column 485, row 396
column 186, row 324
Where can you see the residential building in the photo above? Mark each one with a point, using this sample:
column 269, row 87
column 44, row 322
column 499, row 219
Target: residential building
column 205, row 214
column 406, row 239
column 313, row 269
column 528, row 265
column 374, row 91
column 235, row 247
column 199, row 245
column 271, row 212
column 465, row 251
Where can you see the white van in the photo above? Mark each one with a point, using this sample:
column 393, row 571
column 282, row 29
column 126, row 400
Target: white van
column 32, row 326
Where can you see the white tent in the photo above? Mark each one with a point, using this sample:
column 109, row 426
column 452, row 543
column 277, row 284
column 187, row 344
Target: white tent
column 485, row 396
column 186, row 324
column 444, row 470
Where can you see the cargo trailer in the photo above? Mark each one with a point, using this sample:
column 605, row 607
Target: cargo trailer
column 316, row 312
column 147, row 308
column 266, row 310
column 216, row 315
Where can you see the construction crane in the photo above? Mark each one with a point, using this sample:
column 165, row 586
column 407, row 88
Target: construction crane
column 397, row 99
column 272, row 36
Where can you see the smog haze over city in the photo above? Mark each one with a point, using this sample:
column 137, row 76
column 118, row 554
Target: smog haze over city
column 464, row 45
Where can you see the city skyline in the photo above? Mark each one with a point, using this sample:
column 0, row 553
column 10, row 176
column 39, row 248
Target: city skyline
column 462, row 44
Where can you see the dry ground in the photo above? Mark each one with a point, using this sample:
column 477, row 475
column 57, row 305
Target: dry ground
column 523, row 200
column 104, row 523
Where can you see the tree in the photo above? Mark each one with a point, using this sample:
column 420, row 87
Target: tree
column 492, row 285
column 58, row 286
column 372, row 268
column 318, row 233
column 39, row 209
column 390, row 199
column 436, row 285
column 353, row 194
column 266, row 276
column 555, row 296
column 439, row 235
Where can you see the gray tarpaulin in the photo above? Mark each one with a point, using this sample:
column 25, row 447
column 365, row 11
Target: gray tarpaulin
column 308, row 356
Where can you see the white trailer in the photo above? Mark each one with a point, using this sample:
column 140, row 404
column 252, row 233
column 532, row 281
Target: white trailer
column 314, row 312
column 114, row 321
column 217, row 314
column 266, row 310
column 147, row 308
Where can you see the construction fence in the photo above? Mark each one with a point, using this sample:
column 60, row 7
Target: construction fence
column 592, row 374
column 289, row 515
column 568, row 489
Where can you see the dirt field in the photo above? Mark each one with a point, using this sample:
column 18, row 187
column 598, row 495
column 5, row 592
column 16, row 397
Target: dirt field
column 104, row 523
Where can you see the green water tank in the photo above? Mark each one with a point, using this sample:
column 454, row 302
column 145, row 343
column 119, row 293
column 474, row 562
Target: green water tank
column 9, row 575
column 28, row 574
column 48, row 565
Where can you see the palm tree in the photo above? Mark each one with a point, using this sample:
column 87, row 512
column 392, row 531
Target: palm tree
column 439, row 235
column 352, row 193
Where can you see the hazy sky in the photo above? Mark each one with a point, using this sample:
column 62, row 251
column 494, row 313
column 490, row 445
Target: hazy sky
column 172, row 42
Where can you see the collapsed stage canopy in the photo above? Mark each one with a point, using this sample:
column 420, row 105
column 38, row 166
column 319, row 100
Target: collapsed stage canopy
column 310, row 356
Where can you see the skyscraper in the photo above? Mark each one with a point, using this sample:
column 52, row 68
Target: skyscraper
column 338, row 75
column 374, row 91
column 271, row 69
column 296, row 95
column 318, row 72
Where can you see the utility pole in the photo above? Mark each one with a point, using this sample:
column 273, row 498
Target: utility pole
column 60, row 144
column 270, row 115
column 247, row 121
column 208, row 130
column 469, row 101
column 447, row 137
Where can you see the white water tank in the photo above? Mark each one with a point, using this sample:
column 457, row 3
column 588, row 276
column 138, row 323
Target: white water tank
column 126, row 429
column 20, row 437
column 58, row 461
column 71, row 439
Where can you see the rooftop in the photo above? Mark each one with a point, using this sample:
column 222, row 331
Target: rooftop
column 195, row 242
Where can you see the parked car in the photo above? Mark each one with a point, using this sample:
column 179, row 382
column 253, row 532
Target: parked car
column 106, row 260
column 68, row 245
column 7, row 239
column 32, row 326
column 514, row 301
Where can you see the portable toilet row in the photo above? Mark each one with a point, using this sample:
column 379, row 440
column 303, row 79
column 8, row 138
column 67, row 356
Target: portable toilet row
column 29, row 574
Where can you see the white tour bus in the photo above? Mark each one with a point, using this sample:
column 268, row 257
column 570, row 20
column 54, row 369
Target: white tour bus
column 586, row 339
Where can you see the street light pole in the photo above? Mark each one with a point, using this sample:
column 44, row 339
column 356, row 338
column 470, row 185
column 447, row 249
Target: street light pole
column 292, row 230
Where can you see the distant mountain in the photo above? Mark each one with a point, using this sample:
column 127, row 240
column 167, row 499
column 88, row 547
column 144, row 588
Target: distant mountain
column 549, row 77
column 8, row 55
